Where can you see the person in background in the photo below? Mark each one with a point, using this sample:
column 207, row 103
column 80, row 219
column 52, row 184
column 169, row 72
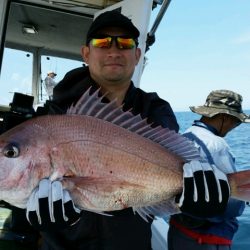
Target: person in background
column 50, row 83
column 221, row 113
column 111, row 53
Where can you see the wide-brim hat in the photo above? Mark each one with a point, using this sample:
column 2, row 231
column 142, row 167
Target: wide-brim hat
column 222, row 102
column 112, row 19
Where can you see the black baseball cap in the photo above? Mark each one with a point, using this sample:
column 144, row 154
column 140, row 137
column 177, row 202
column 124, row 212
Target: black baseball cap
column 112, row 18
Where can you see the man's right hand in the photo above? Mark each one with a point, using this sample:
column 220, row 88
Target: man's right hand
column 50, row 207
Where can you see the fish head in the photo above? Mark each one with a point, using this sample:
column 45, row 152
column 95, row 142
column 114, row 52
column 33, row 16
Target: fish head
column 24, row 160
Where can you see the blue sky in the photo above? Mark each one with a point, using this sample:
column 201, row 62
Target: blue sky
column 200, row 46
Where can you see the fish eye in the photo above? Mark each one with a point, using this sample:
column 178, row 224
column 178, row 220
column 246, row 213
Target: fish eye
column 11, row 151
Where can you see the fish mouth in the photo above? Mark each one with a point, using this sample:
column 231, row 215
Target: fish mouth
column 69, row 175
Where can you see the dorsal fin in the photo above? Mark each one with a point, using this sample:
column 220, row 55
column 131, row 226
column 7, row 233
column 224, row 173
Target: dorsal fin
column 92, row 105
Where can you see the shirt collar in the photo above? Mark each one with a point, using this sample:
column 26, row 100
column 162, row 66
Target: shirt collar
column 206, row 126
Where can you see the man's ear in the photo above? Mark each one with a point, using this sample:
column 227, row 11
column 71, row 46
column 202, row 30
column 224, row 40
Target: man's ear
column 85, row 53
column 137, row 55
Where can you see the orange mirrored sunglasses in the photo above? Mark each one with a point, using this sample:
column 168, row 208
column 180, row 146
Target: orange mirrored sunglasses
column 122, row 42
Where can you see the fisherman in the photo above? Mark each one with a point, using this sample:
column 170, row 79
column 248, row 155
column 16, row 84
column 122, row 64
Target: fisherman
column 111, row 53
column 50, row 83
column 221, row 113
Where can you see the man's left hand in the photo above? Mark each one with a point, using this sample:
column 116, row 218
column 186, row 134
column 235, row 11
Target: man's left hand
column 205, row 190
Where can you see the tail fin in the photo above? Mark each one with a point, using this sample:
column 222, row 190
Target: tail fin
column 240, row 185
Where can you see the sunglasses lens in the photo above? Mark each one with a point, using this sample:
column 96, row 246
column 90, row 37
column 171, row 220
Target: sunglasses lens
column 125, row 43
column 121, row 42
column 101, row 42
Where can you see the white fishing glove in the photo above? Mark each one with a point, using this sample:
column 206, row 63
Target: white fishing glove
column 50, row 207
column 205, row 190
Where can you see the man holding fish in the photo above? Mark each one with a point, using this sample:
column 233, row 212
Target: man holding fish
column 105, row 195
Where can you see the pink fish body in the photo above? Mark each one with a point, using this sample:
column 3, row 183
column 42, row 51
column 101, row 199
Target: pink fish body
column 107, row 159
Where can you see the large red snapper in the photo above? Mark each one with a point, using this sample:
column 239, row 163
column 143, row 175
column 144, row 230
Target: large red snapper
column 107, row 159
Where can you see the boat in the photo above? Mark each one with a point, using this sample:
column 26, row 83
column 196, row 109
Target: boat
column 46, row 35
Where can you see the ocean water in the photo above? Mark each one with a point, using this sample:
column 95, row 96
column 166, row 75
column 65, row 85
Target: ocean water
column 239, row 141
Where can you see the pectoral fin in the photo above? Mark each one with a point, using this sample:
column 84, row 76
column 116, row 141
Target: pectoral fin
column 100, row 194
